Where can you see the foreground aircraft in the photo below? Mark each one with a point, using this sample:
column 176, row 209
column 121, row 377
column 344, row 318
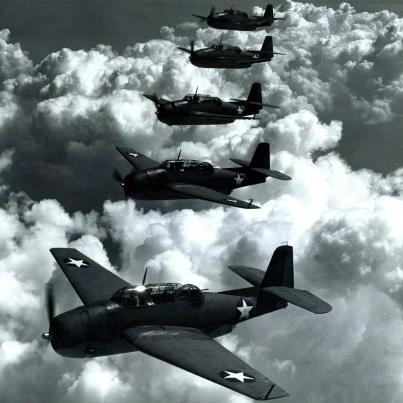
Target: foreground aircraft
column 198, row 109
column 192, row 179
column 173, row 322
column 239, row 20
column 230, row 57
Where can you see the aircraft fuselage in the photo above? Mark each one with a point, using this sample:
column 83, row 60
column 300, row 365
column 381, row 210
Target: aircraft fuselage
column 229, row 59
column 97, row 329
column 185, row 113
column 152, row 184
column 238, row 22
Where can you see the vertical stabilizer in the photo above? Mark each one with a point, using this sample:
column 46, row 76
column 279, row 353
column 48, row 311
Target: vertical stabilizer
column 281, row 269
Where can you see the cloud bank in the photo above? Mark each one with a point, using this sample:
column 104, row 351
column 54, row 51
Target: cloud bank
column 59, row 122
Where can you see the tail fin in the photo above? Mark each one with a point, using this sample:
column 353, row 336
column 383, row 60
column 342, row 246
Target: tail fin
column 261, row 157
column 254, row 101
column 260, row 163
column 267, row 46
column 269, row 12
column 281, row 269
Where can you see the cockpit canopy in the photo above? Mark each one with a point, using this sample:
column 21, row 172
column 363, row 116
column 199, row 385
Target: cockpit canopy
column 200, row 98
column 230, row 11
column 154, row 294
column 219, row 46
column 187, row 165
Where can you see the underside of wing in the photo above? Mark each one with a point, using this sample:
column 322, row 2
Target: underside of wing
column 220, row 116
column 194, row 351
column 204, row 193
column 90, row 280
column 138, row 160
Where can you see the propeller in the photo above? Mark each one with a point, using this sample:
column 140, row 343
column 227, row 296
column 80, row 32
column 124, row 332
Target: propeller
column 212, row 11
column 192, row 46
column 145, row 276
column 118, row 176
column 50, row 309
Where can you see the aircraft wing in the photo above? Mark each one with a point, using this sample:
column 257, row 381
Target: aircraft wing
column 90, row 280
column 204, row 193
column 194, row 351
column 138, row 160
column 217, row 115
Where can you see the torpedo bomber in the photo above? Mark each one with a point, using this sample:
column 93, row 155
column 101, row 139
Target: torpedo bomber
column 172, row 322
column 230, row 57
column 193, row 179
column 198, row 109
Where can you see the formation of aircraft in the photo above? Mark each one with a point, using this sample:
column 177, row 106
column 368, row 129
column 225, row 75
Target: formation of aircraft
column 239, row 20
column 172, row 322
column 199, row 109
column 230, row 57
column 192, row 179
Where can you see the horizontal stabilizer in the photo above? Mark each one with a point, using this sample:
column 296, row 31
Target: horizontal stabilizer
column 272, row 173
column 184, row 49
column 242, row 163
column 250, row 274
column 243, row 102
column 200, row 16
column 303, row 299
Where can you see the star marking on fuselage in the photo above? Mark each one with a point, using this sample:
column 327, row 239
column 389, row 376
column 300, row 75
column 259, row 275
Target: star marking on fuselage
column 135, row 155
column 76, row 262
column 239, row 376
column 244, row 310
column 240, row 110
column 238, row 179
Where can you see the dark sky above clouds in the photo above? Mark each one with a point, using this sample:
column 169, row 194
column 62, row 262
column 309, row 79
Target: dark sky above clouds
column 340, row 90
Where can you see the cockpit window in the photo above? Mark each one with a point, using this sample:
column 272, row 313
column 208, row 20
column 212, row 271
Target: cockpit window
column 186, row 165
column 153, row 294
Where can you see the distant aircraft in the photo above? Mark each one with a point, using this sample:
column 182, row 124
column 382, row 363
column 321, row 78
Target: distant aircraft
column 198, row 109
column 192, row 179
column 239, row 20
column 172, row 322
column 230, row 57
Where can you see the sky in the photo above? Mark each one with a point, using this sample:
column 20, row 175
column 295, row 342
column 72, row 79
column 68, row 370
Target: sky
column 73, row 91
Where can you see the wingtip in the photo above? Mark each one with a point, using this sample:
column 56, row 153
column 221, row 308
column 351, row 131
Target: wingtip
column 276, row 393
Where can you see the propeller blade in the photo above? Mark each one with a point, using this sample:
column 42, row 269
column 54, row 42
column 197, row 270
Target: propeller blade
column 192, row 46
column 212, row 11
column 117, row 176
column 50, row 302
column 145, row 276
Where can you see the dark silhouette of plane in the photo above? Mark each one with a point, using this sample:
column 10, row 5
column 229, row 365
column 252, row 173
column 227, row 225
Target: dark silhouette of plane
column 172, row 322
column 198, row 109
column 192, row 179
column 230, row 57
column 239, row 20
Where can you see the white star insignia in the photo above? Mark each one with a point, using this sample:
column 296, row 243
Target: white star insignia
column 230, row 200
column 240, row 109
column 255, row 56
column 78, row 263
column 239, row 376
column 135, row 155
column 244, row 309
column 238, row 179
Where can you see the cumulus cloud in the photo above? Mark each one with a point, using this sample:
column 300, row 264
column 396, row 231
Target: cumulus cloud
column 59, row 121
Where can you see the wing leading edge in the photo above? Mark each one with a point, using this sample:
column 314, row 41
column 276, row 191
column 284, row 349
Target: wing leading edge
column 91, row 281
column 194, row 351
column 138, row 160
column 204, row 193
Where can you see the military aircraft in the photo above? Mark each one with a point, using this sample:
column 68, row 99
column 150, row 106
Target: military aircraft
column 198, row 109
column 239, row 20
column 230, row 57
column 172, row 322
column 192, row 179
